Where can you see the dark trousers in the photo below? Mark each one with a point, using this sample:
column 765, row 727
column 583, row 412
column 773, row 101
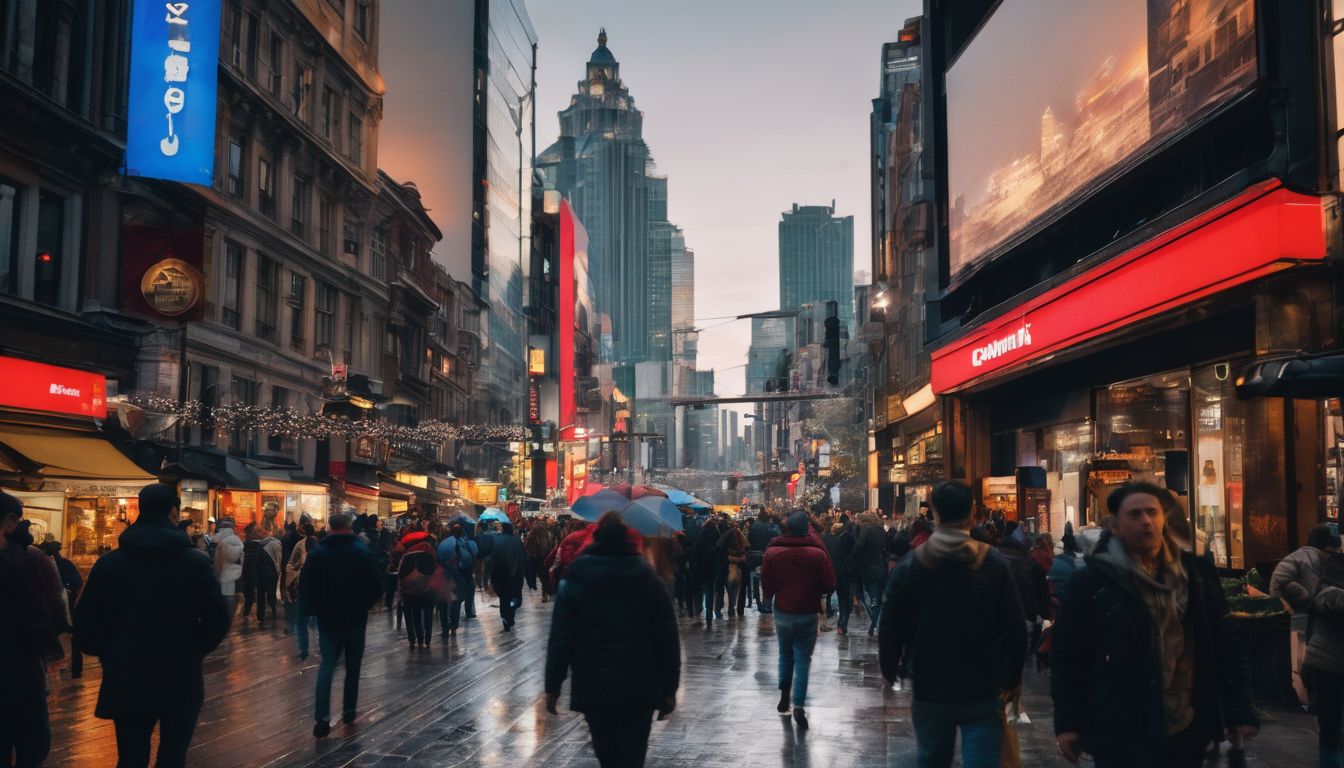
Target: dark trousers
column 707, row 591
column 1183, row 750
column 538, row 567
column 845, row 603
column 694, row 593
column 466, row 592
column 737, row 597
column 261, row 590
column 133, row 739
column 1327, row 688
column 389, row 589
column 936, row 726
column 508, row 607
column 334, row 644
column 620, row 738
column 25, row 729
column 419, row 618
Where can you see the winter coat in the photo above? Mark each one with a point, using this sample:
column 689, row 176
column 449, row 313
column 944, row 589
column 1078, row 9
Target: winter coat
column 33, row 607
column 1294, row 581
column 868, row 559
column 297, row 557
column 1107, row 667
column 228, row 559
column 706, row 557
column 150, row 612
column 507, row 566
column 796, row 574
column 539, row 542
column 951, row 615
column 1325, row 649
column 457, row 553
column 567, row 551
column 340, row 582
column 268, row 564
column 761, row 533
column 251, row 562
column 840, row 549
column 1061, row 571
column 1032, row 589
column 615, row 627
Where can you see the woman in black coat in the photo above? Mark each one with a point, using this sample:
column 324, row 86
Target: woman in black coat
column 508, row 566
column 614, row 625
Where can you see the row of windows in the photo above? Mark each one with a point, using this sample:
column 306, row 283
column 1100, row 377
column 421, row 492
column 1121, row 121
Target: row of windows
column 35, row 249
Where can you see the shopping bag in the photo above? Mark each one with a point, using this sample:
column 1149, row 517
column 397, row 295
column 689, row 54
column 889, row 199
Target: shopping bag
column 1010, row 750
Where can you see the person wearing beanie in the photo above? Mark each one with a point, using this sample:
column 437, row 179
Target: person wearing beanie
column 151, row 657
column 614, row 626
column 1294, row 582
column 796, row 574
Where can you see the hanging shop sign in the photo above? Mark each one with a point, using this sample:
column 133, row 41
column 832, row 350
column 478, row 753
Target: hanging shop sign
column 170, row 125
column 171, row 287
column 1265, row 230
column 31, row 386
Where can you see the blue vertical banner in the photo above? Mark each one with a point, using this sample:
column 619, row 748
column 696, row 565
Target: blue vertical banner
column 170, row 126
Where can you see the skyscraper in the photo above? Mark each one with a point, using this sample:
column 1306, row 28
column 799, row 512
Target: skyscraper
column 601, row 163
column 816, row 259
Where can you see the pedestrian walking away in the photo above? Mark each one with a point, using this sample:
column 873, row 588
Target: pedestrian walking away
column 868, row 562
column 614, row 627
column 1323, row 660
column 151, row 611
column 339, row 584
column 1146, row 668
column 73, row 583
column 796, row 574
column 228, row 561
column 952, row 621
column 507, row 567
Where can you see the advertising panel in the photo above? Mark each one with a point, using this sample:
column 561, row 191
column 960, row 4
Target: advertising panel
column 32, row 386
column 170, row 125
column 161, row 273
column 1050, row 99
column 575, row 320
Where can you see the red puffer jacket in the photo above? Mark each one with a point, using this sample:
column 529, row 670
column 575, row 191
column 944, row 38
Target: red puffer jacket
column 797, row 572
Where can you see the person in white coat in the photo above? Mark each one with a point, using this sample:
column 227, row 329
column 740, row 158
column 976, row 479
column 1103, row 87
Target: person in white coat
column 228, row 558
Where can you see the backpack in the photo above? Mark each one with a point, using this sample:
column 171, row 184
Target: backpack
column 422, row 576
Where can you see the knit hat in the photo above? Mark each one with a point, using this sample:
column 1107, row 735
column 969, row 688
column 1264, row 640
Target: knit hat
column 797, row 524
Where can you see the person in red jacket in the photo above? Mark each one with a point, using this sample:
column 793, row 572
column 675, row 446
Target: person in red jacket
column 796, row 574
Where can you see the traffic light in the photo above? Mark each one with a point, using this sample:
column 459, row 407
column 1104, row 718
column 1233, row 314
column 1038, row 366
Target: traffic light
column 832, row 343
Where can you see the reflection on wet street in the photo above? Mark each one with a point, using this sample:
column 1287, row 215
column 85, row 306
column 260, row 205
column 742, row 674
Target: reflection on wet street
column 477, row 701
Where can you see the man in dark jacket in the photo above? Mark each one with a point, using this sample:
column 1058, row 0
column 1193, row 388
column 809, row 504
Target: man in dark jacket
column 762, row 532
column 705, row 564
column 507, row 568
column 952, row 618
column 34, row 615
column 868, row 564
column 339, row 583
column 839, row 546
column 1146, row 669
column 73, row 584
column 151, row 611
column 796, row 574
column 615, row 626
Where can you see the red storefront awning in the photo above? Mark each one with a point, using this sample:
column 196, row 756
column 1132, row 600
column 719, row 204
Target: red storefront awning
column 1266, row 229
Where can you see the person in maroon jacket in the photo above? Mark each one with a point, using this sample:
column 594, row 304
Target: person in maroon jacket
column 796, row 574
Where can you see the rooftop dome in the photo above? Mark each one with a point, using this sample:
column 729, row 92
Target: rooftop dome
column 600, row 54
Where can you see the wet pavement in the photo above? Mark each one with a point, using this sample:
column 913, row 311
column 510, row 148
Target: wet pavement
column 476, row 701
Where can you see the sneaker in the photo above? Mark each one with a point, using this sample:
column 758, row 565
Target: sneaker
column 784, row 698
column 800, row 717
column 871, row 630
column 321, row 729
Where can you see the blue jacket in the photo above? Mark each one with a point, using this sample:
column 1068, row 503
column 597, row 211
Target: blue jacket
column 462, row 550
column 340, row 582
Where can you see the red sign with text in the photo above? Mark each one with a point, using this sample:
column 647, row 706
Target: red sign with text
column 32, row 386
column 1265, row 230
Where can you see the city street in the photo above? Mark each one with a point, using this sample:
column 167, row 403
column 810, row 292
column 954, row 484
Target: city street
column 476, row 701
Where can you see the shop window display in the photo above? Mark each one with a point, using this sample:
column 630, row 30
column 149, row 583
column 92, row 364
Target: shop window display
column 93, row 526
column 1216, row 498
column 1141, row 434
column 1332, row 434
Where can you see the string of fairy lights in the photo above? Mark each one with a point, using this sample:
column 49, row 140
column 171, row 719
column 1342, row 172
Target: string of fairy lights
column 288, row 422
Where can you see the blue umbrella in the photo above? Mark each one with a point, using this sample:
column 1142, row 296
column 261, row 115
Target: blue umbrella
column 664, row 510
column 682, row 498
column 590, row 508
column 643, row 519
column 493, row 513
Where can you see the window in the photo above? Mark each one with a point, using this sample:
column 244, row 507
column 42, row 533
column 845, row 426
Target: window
column 250, row 44
column 353, row 233
column 298, row 206
column 244, row 392
column 377, row 252
column 354, row 147
column 298, row 293
column 235, row 181
column 233, row 21
column 351, row 324
column 265, row 187
column 268, row 287
column 324, row 216
column 10, row 218
column 302, row 76
column 361, row 20
column 276, row 49
column 326, row 315
column 233, row 285
column 331, row 110
column 50, row 253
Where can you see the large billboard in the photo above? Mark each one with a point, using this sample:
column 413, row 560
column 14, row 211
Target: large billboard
column 170, row 125
column 1049, row 99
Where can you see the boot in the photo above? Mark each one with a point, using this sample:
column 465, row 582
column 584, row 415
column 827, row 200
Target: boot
column 784, row 699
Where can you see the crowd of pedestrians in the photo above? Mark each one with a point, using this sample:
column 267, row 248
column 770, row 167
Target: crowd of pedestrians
column 1133, row 631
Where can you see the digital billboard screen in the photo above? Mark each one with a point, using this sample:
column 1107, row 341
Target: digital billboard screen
column 1049, row 99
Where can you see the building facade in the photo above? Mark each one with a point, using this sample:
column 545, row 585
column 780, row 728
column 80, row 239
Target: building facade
column 816, row 259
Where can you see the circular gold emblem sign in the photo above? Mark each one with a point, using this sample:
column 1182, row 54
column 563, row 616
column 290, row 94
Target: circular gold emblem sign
column 172, row 287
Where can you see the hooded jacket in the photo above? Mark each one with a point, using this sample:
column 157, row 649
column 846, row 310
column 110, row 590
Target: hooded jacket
column 1106, row 666
column 615, row 627
column 151, row 611
column 1325, row 649
column 952, row 617
column 567, row 551
column 228, row 559
column 340, row 582
column 796, row 574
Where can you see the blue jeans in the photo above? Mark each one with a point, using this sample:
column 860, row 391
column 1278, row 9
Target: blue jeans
column 797, row 635
column 869, row 590
column 333, row 644
column 936, row 725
